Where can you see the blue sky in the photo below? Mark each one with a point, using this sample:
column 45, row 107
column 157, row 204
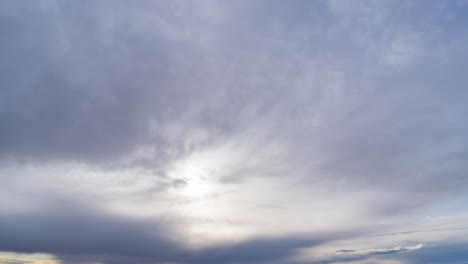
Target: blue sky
column 283, row 132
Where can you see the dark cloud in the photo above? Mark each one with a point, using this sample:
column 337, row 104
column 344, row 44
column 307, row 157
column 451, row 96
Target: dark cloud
column 256, row 250
column 68, row 92
column 72, row 228
column 78, row 233
column 89, row 81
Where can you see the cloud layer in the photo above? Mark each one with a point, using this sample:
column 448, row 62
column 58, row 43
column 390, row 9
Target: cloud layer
column 233, row 132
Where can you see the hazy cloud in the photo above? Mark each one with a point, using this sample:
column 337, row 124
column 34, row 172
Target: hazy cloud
column 216, row 132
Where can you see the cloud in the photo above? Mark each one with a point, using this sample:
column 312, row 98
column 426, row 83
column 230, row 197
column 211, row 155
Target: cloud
column 18, row 258
column 378, row 251
column 374, row 254
column 71, row 228
column 231, row 126
column 447, row 253
column 78, row 233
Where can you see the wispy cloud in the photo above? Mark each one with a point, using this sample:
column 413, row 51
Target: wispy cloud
column 395, row 249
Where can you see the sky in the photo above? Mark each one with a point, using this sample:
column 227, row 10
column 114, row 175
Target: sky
column 233, row 132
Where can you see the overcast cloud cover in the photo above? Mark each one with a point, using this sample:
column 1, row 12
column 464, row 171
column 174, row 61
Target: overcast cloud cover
column 282, row 132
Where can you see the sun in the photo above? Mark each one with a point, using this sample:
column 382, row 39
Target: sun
column 197, row 187
column 198, row 177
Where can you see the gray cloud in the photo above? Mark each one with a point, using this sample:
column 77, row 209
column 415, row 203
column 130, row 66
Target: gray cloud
column 68, row 92
column 66, row 227
column 78, row 233
column 329, row 100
